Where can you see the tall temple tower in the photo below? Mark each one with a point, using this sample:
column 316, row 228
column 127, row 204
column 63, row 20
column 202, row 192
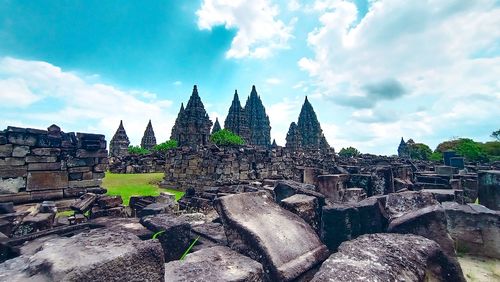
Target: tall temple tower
column 216, row 126
column 118, row 146
column 403, row 149
column 237, row 120
column 192, row 126
column 148, row 141
column 258, row 121
column 307, row 133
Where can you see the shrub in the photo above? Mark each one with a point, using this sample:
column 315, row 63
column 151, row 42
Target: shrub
column 420, row 151
column 225, row 137
column 137, row 150
column 349, row 152
column 165, row 146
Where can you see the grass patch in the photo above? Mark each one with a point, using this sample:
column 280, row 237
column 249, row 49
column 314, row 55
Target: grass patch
column 141, row 184
column 65, row 213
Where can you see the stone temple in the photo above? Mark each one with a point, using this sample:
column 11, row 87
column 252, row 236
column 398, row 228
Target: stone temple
column 403, row 149
column 148, row 140
column 237, row 120
column 192, row 126
column 216, row 126
column 307, row 133
column 258, row 121
column 119, row 143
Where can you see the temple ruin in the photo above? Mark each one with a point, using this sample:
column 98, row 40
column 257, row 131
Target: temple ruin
column 119, row 143
column 237, row 119
column 148, row 141
column 258, row 120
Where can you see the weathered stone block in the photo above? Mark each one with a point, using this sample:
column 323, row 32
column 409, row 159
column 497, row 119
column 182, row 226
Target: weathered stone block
column 82, row 153
column 444, row 170
column 84, row 203
column 84, row 183
column 44, row 166
column 21, row 197
column 46, row 152
column 45, row 180
column 19, row 138
column 13, row 172
column 175, row 239
column 214, row 264
column 389, row 257
column 489, row 189
column 20, row 151
column 46, row 195
column 41, row 159
column 331, row 186
column 306, row 207
column 339, row 223
column 106, row 202
column 6, row 150
column 12, row 185
column 103, row 255
column 12, row 162
column 34, row 223
column 398, row 204
column 96, row 212
column 79, row 169
column 256, row 226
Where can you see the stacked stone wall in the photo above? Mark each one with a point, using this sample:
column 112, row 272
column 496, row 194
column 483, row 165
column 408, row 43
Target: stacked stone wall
column 37, row 165
column 154, row 162
column 210, row 166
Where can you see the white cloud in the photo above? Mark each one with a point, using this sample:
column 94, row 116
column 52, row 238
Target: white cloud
column 293, row 5
column 77, row 104
column 259, row 30
column 405, row 54
column 177, row 83
column 273, row 81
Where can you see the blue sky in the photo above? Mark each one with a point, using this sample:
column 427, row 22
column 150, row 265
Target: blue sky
column 373, row 70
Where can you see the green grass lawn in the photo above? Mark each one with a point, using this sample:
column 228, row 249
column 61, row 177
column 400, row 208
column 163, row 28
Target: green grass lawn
column 143, row 184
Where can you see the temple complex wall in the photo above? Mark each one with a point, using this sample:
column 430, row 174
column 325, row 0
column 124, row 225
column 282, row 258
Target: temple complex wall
column 211, row 166
column 37, row 165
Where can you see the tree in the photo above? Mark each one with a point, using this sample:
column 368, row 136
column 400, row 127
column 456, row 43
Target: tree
column 420, row 151
column 349, row 152
column 137, row 150
column 225, row 137
column 165, row 146
column 468, row 148
column 496, row 135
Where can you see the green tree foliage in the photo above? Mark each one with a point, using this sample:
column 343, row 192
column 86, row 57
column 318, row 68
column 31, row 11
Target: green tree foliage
column 225, row 137
column 420, row 151
column 349, row 152
column 496, row 135
column 165, row 146
column 137, row 150
column 468, row 148
column 436, row 156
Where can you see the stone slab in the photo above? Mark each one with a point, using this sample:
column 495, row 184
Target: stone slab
column 44, row 180
column 282, row 241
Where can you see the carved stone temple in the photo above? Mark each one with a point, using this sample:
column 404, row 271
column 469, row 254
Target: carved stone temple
column 403, row 149
column 148, row 141
column 118, row 146
column 192, row 126
column 237, row 120
column 307, row 133
column 216, row 126
column 258, row 120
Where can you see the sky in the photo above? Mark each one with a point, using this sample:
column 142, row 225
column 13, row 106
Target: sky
column 374, row 70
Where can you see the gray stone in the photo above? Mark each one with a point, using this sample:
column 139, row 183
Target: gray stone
column 45, row 151
column 12, row 185
column 339, row 223
column 12, row 162
column 214, row 264
column 12, row 172
column 332, row 186
column 353, row 195
column 306, row 207
column 44, row 166
column 444, row 170
column 429, row 222
column 175, row 236
column 46, row 180
column 84, row 183
column 211, row 231
column 400, row 203
column 389, row 257
column 475, row 230
column 489, row 189
column 20, row 151
column 40, row 159
column 19, row 138
column 99, row 255
column 258, row 227
column 84, row 203
column 6, row 150
column 34, row 223
column 155, row 208
column 106, row 202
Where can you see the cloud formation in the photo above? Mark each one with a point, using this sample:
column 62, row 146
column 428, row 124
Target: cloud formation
column 75, row 103
column 259, row 32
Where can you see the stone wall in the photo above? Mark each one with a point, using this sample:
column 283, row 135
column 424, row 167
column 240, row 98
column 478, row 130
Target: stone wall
column 38, row 165
column 211, row 166
column 154, row 162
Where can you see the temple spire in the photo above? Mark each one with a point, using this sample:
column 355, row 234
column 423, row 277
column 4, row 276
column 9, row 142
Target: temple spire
column 216, row 126
column 118, row 146
column 258, row 120
column 148, row 140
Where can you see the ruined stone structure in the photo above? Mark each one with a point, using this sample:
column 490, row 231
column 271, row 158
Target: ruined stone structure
column 37, row 165
column 307, row 133
column 237, row 119
column 216, row 126
column 148, row 141
column 192, row 126
column 258, row 121
column 119, row 143
column 403, row 149
column 136, row 163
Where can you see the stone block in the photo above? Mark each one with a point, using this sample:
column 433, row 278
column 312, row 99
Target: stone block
column 398, row 204
column 13, row 172
column 75, row 176
column 46, row 195
column 489, row 189
column 46, row 152
column 382, row 181
column 214, row 264
column 306, row 207
column 46, row 180
column 97, row 212
column 84, row 203
column 78, row 169
column 331, row 186
column 12, row 185
column 84, row 183
column 7, row 208
column 75, row 162
column 6, row 150
column 389, row 257
column 339, row 223
column 444, row 170
column 176, row 236
column 372, row 215
column 353, row 195
column 20, row 151
column 41, row 159
column 34, row 223
column 44, row 166
column 259, row 228
column 19, row 138
column 102, row 255
column 106, row 202
column 12, row 162
column 82, row 153
column 18, row 198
